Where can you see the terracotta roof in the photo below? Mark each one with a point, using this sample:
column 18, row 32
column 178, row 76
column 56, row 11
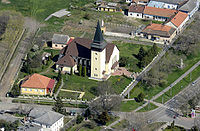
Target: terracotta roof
column 159, row 29
column 109, row 51
column 70, row 40
column 159, row 12
column 136, row 8
column 66, row 60
column 179, row 18
column 51, row 84
column 37, row 81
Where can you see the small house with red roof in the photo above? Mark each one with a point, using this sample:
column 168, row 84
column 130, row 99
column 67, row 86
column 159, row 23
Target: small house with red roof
column 37, row 84
column 178, row 21
column 158, row 33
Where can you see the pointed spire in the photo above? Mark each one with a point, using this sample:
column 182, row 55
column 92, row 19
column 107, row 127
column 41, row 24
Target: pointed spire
column 98, row 37
column 98, row 42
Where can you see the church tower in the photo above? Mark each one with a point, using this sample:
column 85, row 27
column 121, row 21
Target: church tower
column 98, row 54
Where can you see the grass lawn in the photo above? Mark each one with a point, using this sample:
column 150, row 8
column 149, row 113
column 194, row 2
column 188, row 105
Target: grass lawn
column 155, row 126
column 112, row 119
column 148, row 108
column 29, row 101
column 149, row 93
column 83, row 84
column 130, row 50
column 176, row 128
column 179, row 86
column 82, row 127
column 121, row 125
column 128, row 106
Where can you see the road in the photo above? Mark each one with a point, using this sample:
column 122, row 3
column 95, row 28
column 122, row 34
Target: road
column 9, row 76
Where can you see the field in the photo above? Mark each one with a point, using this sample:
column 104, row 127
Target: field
column 128, row 106
column 148, row 108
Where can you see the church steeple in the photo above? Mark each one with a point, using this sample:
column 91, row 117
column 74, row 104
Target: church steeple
column 98, row 42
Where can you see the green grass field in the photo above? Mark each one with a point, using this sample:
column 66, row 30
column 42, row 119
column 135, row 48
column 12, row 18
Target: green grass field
column 148, row 108
column 152, row 91
column 128, row 106
column 130, row 50
column 179, row 86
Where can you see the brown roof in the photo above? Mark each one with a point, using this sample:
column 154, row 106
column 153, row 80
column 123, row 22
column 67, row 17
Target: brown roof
column 136, row 8
column 159, row 29
column 159, row 11
column 136, row 1
column 66, row 60
column 80, row 47
column 37, row 81
column 109, row 51
column 179, row 18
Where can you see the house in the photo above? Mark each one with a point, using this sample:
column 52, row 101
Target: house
column 37, row 84
column 158, row 33
column 136, row 11
column 156, row 4
column 190, row 7
column 110, row 6
column 99, row 2
column 59, row 41
column 47, row 120
column 129, row 1
column 153, row 13
column 178, row 21
column 170, row 4
column 140, row 2
column 98, row 57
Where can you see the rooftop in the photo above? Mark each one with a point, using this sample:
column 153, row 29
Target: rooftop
column 156, row 4
column 38, row 81
column 159, row 12
column 178, row 19
column 159, row 29
column 60, row 39
column 189, row 6
column 177, row 2
column 136, row 8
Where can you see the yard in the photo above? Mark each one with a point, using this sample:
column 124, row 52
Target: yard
column 149, row 107
column 130, row 50
column 128, row 106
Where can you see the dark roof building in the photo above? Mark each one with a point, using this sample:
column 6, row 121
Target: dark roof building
column 136, row 9
column 175, row 2
column 190, row 7
column 60, row 39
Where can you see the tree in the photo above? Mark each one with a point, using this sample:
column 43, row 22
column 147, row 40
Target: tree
column 71, row 71
column 140, row 97
column 8, row 125
column 123, row 61
column 84, row 71
column 58, row 107
column 103, row 118
column 80, row 70
column 15, row 91
column 59, row 76
column 87, row 113
column 141, row 54
column 154, row 50
column 52, row 55
column 79, row 119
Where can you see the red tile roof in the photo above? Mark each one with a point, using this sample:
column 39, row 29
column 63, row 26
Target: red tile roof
column 179, row 18
column 70, row 40
column 159, row 12
column 37, row 81
column 159, row 29
column 51, row 84
column 136, row 8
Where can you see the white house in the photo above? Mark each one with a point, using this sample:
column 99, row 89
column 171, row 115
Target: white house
column 159, row 14
column 178, row 21
column 169, row 4
column 136, row 11
column 47, row 120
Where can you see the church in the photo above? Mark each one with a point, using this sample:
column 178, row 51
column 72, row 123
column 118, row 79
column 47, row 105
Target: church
column 96, row 56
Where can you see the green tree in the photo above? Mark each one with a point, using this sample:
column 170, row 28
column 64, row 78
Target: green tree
column 154, row 49
column 140, row 97
column 15, row 91
column 87, row 113
column 52, row 55
column 58, row 107
column 79, row 119
column 8, row 125
column 80, row 70
column 123, row 61
column 84, row 71
column 71, row 71
column 141, row 54
column 104, row 118
column 59, row 76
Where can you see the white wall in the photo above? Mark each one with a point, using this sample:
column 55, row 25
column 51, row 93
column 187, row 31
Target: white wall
column 170, row 6
column 58, row 125
column 135, row 15
column 128, row 1
column 145, row 16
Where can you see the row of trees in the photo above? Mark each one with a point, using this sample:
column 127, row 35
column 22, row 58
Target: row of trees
column 82, row 70
column 8, row 126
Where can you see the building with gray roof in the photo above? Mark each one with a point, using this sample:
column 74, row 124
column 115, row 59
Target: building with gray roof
column 59, row 41
column 190, row 7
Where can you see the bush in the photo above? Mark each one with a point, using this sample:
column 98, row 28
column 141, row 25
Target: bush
column 79, row 119
column 140, row 97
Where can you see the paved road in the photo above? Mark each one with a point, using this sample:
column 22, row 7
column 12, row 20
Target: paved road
column 177, row 81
